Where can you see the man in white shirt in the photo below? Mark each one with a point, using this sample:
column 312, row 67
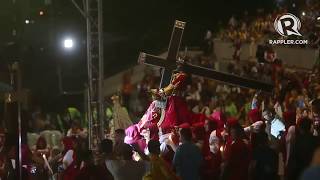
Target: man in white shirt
column 274, row 126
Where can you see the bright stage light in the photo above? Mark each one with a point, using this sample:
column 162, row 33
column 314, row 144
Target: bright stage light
column 27, row 21
column 318, row 18
column 303, row 13
column 68, row 43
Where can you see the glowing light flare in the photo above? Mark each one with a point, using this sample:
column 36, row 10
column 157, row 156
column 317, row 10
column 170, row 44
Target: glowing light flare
column 221, row 149
column 68, row 43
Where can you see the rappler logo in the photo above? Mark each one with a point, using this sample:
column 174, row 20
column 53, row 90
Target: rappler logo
column 287, row 24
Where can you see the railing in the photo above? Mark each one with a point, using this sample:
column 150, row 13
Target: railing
column 303, row 58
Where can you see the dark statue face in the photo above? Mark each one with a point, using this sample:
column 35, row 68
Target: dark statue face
column 118, row 138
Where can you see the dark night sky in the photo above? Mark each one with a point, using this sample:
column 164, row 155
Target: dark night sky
column 147, row 24
column 130, row 27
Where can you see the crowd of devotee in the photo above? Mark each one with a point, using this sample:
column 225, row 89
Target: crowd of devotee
column 234, row 133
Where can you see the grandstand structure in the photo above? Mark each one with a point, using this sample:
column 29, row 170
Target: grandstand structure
column 223, row 51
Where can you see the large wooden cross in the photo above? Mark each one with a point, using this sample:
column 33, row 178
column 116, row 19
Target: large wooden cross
column 170, row 64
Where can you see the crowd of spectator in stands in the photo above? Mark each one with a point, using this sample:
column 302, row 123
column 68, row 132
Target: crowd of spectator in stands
column 260, row 28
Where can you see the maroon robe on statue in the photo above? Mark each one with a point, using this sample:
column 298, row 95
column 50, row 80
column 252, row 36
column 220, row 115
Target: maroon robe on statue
column 177, row 113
